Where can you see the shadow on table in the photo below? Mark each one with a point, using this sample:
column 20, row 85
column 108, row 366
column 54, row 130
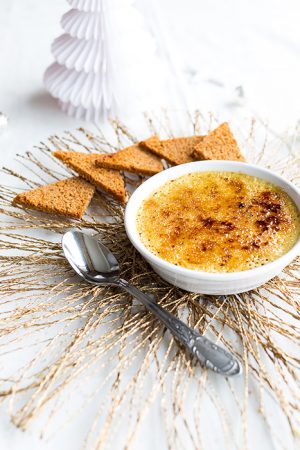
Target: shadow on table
column 43, row 101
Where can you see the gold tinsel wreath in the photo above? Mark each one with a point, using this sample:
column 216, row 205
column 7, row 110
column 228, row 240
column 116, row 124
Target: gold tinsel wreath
column 100, row 362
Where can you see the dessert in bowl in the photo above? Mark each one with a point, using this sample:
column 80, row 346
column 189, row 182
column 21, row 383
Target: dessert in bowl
column 215, row 227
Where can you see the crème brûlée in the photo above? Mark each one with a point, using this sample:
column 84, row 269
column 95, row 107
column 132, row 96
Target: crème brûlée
column 218, row 222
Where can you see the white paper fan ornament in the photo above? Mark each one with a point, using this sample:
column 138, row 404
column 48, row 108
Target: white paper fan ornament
column 105, row 63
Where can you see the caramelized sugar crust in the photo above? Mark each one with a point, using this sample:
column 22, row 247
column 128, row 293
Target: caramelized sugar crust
column 218, row 222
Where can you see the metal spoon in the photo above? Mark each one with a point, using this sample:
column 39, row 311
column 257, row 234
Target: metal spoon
column 92, row 261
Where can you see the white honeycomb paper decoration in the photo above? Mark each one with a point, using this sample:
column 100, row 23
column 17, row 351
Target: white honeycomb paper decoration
column 106, row 64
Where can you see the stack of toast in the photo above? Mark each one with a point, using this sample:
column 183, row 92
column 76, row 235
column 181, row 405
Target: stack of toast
column 71, row 197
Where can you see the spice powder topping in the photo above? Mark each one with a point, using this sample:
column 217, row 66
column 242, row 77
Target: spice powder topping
column 218, row 222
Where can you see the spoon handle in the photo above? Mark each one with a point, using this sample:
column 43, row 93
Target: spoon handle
column 208, row 354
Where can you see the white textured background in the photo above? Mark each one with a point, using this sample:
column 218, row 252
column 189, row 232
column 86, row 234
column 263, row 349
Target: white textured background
column 217, row 46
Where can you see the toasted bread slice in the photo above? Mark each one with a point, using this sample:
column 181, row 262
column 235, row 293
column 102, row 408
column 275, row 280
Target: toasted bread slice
column 68, row 197
column 175, row 151
column 110, row 181
column 132, row 159
column 219, row 144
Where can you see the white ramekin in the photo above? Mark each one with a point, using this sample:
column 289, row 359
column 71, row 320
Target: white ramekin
column 200, row 281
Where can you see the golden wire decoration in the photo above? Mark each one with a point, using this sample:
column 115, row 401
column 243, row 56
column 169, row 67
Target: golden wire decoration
column 71, row 351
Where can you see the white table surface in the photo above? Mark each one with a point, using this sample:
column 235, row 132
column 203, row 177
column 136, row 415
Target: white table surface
column 254, row 44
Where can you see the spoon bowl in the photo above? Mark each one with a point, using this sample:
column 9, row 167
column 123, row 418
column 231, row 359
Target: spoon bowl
column 90, row 259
